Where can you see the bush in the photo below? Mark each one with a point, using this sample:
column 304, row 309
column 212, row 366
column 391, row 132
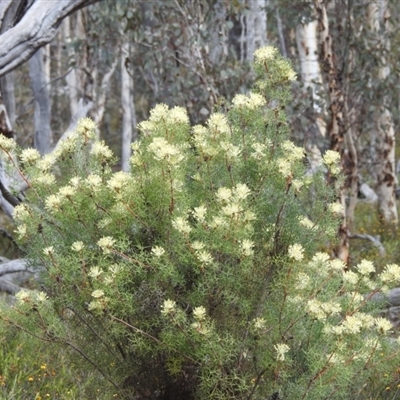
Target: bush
column 187, row 277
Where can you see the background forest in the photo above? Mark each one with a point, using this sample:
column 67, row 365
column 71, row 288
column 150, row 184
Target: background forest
column 114, row 61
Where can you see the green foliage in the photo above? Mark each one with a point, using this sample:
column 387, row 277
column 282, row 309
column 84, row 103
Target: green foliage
column 187, row 277
column 30, row 370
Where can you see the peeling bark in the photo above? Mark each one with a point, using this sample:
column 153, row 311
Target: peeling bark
column 378, row 20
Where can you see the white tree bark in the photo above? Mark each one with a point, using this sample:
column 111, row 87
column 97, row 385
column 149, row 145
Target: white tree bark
column 311, row 76
column 256, row 27
column 98, row 113
column 126, row 89
column 36, row 28
column 43, row 137
column 71, row 78
column 378, row 17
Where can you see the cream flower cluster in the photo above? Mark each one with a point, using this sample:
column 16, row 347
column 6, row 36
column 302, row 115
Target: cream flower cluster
column 106, row 244
column 214, row 138
column 332, row 161
column 6, row 143
column 162, row 114
column 251, row 102
column 163, row 150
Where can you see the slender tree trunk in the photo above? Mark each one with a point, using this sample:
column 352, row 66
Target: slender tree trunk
column 43, row 135
column 336, row 128
column 311, row 76
column 127, row 106
column 378, row 20
column 256, row 27
column 71, row 78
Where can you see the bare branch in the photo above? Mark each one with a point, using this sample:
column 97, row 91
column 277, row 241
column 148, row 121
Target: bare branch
column 36, row 28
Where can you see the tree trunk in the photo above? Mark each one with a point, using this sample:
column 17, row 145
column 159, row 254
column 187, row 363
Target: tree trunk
column 311, row 76
column 336, row 128
column 378, row 18
column 43, row 138
column 256, row 27
column 128, row 112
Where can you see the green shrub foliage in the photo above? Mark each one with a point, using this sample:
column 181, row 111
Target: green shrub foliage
column 187, row 278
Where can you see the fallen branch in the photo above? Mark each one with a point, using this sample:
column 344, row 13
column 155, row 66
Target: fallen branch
column 9, row 287
column 374, row 239
column 17, row 265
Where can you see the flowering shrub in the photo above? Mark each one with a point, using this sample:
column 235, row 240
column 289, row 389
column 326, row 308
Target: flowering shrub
column 188, row 276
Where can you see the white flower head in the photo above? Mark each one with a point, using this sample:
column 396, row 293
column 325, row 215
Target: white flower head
column 264, row 54
column 296, row 251
column 350, row 278
column 218, row 124
column 181, row 225
column 41, row 297
column 95, row 272
column 21, row 231
column 46, row 162
column 97, row 293
column 29, row 156
column 118, row 181
column 106, row 243
column 259, row 323
column 45, row 179
column 383, row 325
column 96, row 305
column 252, row 101
column 86, row 126
column 77, row 246
column 337, row 265
column 101, row 151
column 21, row 212
column 336, row 208
column 304, row 221
column 391, row 273
column 178, row 115
column 204, row 257
column 6, row 143
column 232, row 209
column 281, row 349
column 284, row 167
column 158, row 251
column 352, row 324
column 168, row 307
column 331, row 157
column 53, row 202
column 23, row 296
column 231, row 150
column 241, row 191
column 365, row 267
column 67, row 191
column 200, row 213
column 48, row 251
column 94, row 182
column 163, row 150
column 199, row 313
column 246, row 247
column 224, row 194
